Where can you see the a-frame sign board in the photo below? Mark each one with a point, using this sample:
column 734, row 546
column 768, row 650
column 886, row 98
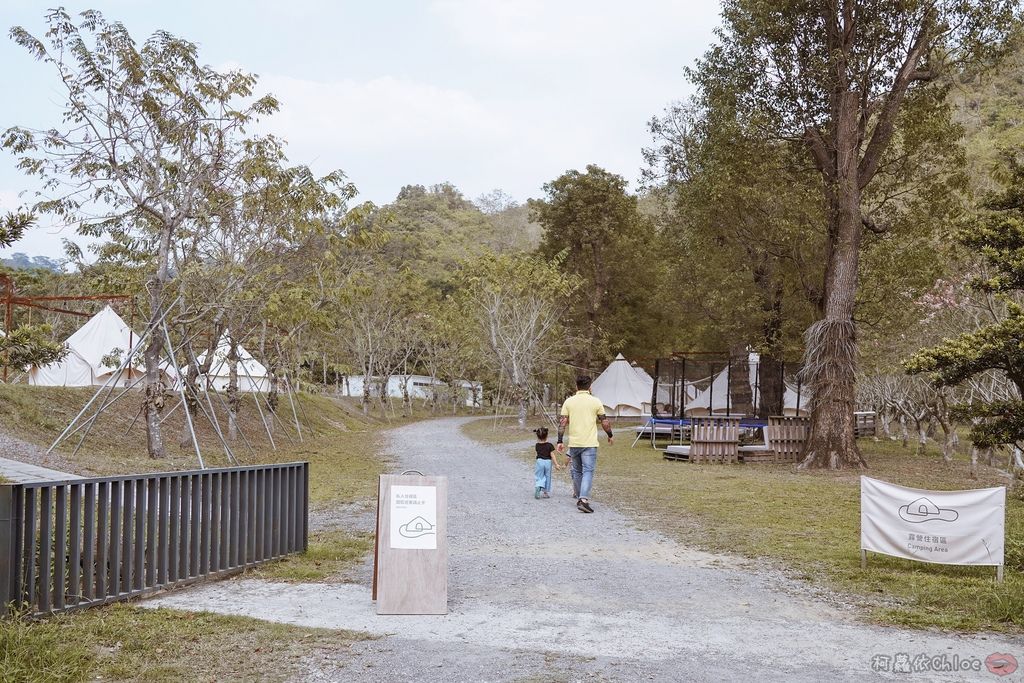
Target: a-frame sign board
column 410, row 566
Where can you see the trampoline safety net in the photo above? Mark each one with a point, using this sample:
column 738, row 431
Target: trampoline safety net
column 740, row 385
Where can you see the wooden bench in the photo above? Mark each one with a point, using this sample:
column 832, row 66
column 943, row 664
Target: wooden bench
column 677, row 452
column 786, row 436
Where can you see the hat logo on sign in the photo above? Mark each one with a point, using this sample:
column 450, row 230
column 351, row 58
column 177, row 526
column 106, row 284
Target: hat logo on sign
column 415, row 528
column 924, row 510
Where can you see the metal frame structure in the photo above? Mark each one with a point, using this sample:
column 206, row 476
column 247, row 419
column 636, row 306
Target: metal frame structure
column 11, row 299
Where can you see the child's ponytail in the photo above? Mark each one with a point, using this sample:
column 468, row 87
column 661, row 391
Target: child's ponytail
column 542, row 433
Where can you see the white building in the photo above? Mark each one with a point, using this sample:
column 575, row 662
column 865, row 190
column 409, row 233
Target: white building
column 422, row 387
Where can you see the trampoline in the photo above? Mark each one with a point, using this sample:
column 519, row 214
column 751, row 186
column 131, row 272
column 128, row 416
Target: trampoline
column 721, row 385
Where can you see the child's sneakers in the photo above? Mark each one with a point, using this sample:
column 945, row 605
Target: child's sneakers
column 545, row 494
column 536, row 492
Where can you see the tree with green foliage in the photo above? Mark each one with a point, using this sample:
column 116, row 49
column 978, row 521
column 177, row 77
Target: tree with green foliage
column 25, row 345
column 150, row 136
column 13, row 226
column 514, row 306
column 28, row 345
column 861, row 84
column 998, row 238
column 596, row 227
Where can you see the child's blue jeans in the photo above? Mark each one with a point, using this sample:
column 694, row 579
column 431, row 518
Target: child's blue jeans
column 542, row 474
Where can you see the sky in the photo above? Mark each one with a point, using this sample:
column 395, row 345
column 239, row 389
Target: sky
column 485, row 94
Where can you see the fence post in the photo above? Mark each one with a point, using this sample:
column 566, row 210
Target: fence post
column 8, row 542
column 305, row 507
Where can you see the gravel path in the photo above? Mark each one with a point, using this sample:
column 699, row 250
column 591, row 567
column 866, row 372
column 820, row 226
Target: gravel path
column 541, row 592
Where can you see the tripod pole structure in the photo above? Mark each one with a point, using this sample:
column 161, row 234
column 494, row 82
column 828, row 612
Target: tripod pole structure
column 184, row 403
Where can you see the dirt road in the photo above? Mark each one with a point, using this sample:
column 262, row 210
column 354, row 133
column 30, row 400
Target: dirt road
column 541, row 592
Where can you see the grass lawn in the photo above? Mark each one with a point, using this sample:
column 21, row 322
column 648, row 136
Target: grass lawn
column 331, row 554
column 125, row 643
column 809, row 524
column 502, row 430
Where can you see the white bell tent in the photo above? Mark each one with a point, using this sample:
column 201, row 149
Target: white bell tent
column 714, row 399
column 624, row 390
column 252, row 375
column 95, row 352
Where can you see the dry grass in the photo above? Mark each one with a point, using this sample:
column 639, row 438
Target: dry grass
column 342, row 445
column 126, row 643
column 502, row 430
column 331, row 557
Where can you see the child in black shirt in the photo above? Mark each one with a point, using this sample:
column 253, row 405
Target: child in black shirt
column 542, row 470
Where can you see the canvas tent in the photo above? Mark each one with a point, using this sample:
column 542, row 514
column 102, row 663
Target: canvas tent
column 252, row 375
column 714, row 398
column 94, row 353
column 624, row 390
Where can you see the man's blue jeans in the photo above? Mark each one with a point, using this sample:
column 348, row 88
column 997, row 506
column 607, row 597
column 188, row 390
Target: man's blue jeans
column 584, row 462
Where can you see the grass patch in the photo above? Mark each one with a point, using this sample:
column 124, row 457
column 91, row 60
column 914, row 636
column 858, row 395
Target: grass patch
column 502, row 430
column 126, row 643
column 809, row 524
column 330, row 554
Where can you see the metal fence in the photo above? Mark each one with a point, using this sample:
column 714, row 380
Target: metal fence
column 85, row 542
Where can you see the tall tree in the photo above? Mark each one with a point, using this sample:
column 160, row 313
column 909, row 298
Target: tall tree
column 514, row 307
column 841, row 76
column 591, row 220
column 149, row 135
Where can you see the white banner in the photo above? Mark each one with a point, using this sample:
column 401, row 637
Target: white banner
column 947, row 527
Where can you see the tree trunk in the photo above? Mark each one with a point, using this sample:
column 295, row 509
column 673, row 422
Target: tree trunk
column 234, row 400
column 741, row 394
column 153, row 406
column 830, row 359
column 154, row 400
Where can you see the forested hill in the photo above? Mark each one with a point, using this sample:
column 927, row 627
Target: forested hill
column 432, row 229
column 20, row 261
column 990, row 107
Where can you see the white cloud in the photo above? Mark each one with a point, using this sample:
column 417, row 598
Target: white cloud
column 580, row 29
column 381, row 114
column 386, row 132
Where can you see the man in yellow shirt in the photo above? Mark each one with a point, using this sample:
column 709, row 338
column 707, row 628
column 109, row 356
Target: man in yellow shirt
column 580, row 413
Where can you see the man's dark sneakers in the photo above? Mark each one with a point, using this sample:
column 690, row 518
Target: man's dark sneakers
column 583, row 505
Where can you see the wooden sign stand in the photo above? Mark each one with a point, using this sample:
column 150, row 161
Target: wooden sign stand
column 410, row 555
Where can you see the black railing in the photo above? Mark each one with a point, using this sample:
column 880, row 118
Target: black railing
column 85, row 542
